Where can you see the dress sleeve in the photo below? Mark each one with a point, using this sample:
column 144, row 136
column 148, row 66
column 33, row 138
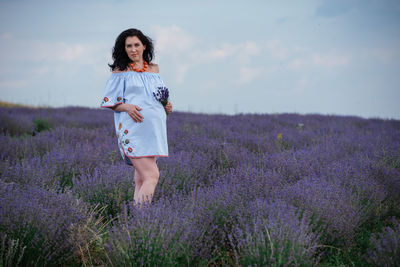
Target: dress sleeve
column 114, row 92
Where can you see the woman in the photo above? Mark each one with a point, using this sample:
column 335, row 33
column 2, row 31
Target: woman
column 140, row 119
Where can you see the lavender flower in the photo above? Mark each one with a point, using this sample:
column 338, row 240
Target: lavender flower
column 162, row 95
column 384, row 247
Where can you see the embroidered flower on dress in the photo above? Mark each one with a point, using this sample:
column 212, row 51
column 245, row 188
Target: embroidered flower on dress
column 119, row 98
column 130, row 149
column 126, row 132
column 126, row 141
column 106, row 99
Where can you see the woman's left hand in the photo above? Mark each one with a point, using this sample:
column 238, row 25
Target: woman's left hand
column 168, row 107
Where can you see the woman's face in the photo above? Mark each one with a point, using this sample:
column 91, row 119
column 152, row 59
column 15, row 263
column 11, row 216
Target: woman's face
column 134, row 48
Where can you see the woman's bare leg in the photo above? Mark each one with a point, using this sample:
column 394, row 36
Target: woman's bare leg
column 149, row 174
column 138, row 185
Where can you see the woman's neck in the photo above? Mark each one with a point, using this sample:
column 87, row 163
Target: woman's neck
column 138, row 63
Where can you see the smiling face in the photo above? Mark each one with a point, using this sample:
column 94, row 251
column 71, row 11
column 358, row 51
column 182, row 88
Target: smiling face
column 134, row 48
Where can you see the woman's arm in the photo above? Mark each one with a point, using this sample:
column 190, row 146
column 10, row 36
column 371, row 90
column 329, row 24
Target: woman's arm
column 120, row 107
column 168, row 107
column 132, row 110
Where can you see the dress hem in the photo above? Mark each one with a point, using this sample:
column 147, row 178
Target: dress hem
column 132, row 157
column 165, row 156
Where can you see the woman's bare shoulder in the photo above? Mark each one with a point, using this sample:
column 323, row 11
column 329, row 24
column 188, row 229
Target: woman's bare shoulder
column 154, row 68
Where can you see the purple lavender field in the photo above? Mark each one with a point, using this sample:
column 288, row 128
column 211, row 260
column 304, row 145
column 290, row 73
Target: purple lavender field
column 243, row 190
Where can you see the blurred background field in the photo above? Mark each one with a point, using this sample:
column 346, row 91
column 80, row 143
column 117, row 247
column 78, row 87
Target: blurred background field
column 236, row 190
column 12, row 105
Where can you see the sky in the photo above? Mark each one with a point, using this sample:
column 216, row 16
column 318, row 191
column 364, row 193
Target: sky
column 337, row 57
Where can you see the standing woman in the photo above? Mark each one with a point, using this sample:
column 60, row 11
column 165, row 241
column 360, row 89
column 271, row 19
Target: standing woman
column 140, row 119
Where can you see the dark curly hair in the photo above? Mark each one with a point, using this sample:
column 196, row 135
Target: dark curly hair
column 121, row 59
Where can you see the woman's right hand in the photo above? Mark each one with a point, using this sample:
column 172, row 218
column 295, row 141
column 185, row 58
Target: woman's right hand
column 133, row 111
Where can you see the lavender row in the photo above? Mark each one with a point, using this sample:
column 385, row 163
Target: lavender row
column 245, row 189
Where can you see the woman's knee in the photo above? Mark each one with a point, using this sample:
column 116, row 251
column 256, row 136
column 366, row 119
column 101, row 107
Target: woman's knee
column 152, row 175
column 138, row 177
column 146, row 168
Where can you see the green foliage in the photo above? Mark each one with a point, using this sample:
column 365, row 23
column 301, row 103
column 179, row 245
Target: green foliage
column 353, row 256
column 11, row 251
column 66, row 180
column 145, row 246
column 29, row 249
column 41, row 124
column 271, row 252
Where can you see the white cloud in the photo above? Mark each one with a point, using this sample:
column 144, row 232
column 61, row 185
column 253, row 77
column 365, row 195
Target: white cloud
column 185, row 51
column 13, row 84
column 25, row 50
column 302, row 84
column 172, row 39
column 175, row 45
column 45, row 58
column 251, row 48
column 35, row 50
column 210, row 84
column 57, row 51
column 247, row 50
column 222, row 52
column 329, row 60
column 242, row 51
column 320, row 60
column 180, row 72
column 248, row 74
column 276, row 49
column 301, row 49
column 297, row 64
column 385, row 56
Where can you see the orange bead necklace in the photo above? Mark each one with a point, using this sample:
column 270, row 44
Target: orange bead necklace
column 139, row 70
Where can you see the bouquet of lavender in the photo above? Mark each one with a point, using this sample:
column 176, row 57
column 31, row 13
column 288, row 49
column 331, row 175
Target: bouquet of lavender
column 162, row 95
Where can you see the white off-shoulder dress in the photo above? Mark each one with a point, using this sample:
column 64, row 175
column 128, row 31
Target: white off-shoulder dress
column 138, row 139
